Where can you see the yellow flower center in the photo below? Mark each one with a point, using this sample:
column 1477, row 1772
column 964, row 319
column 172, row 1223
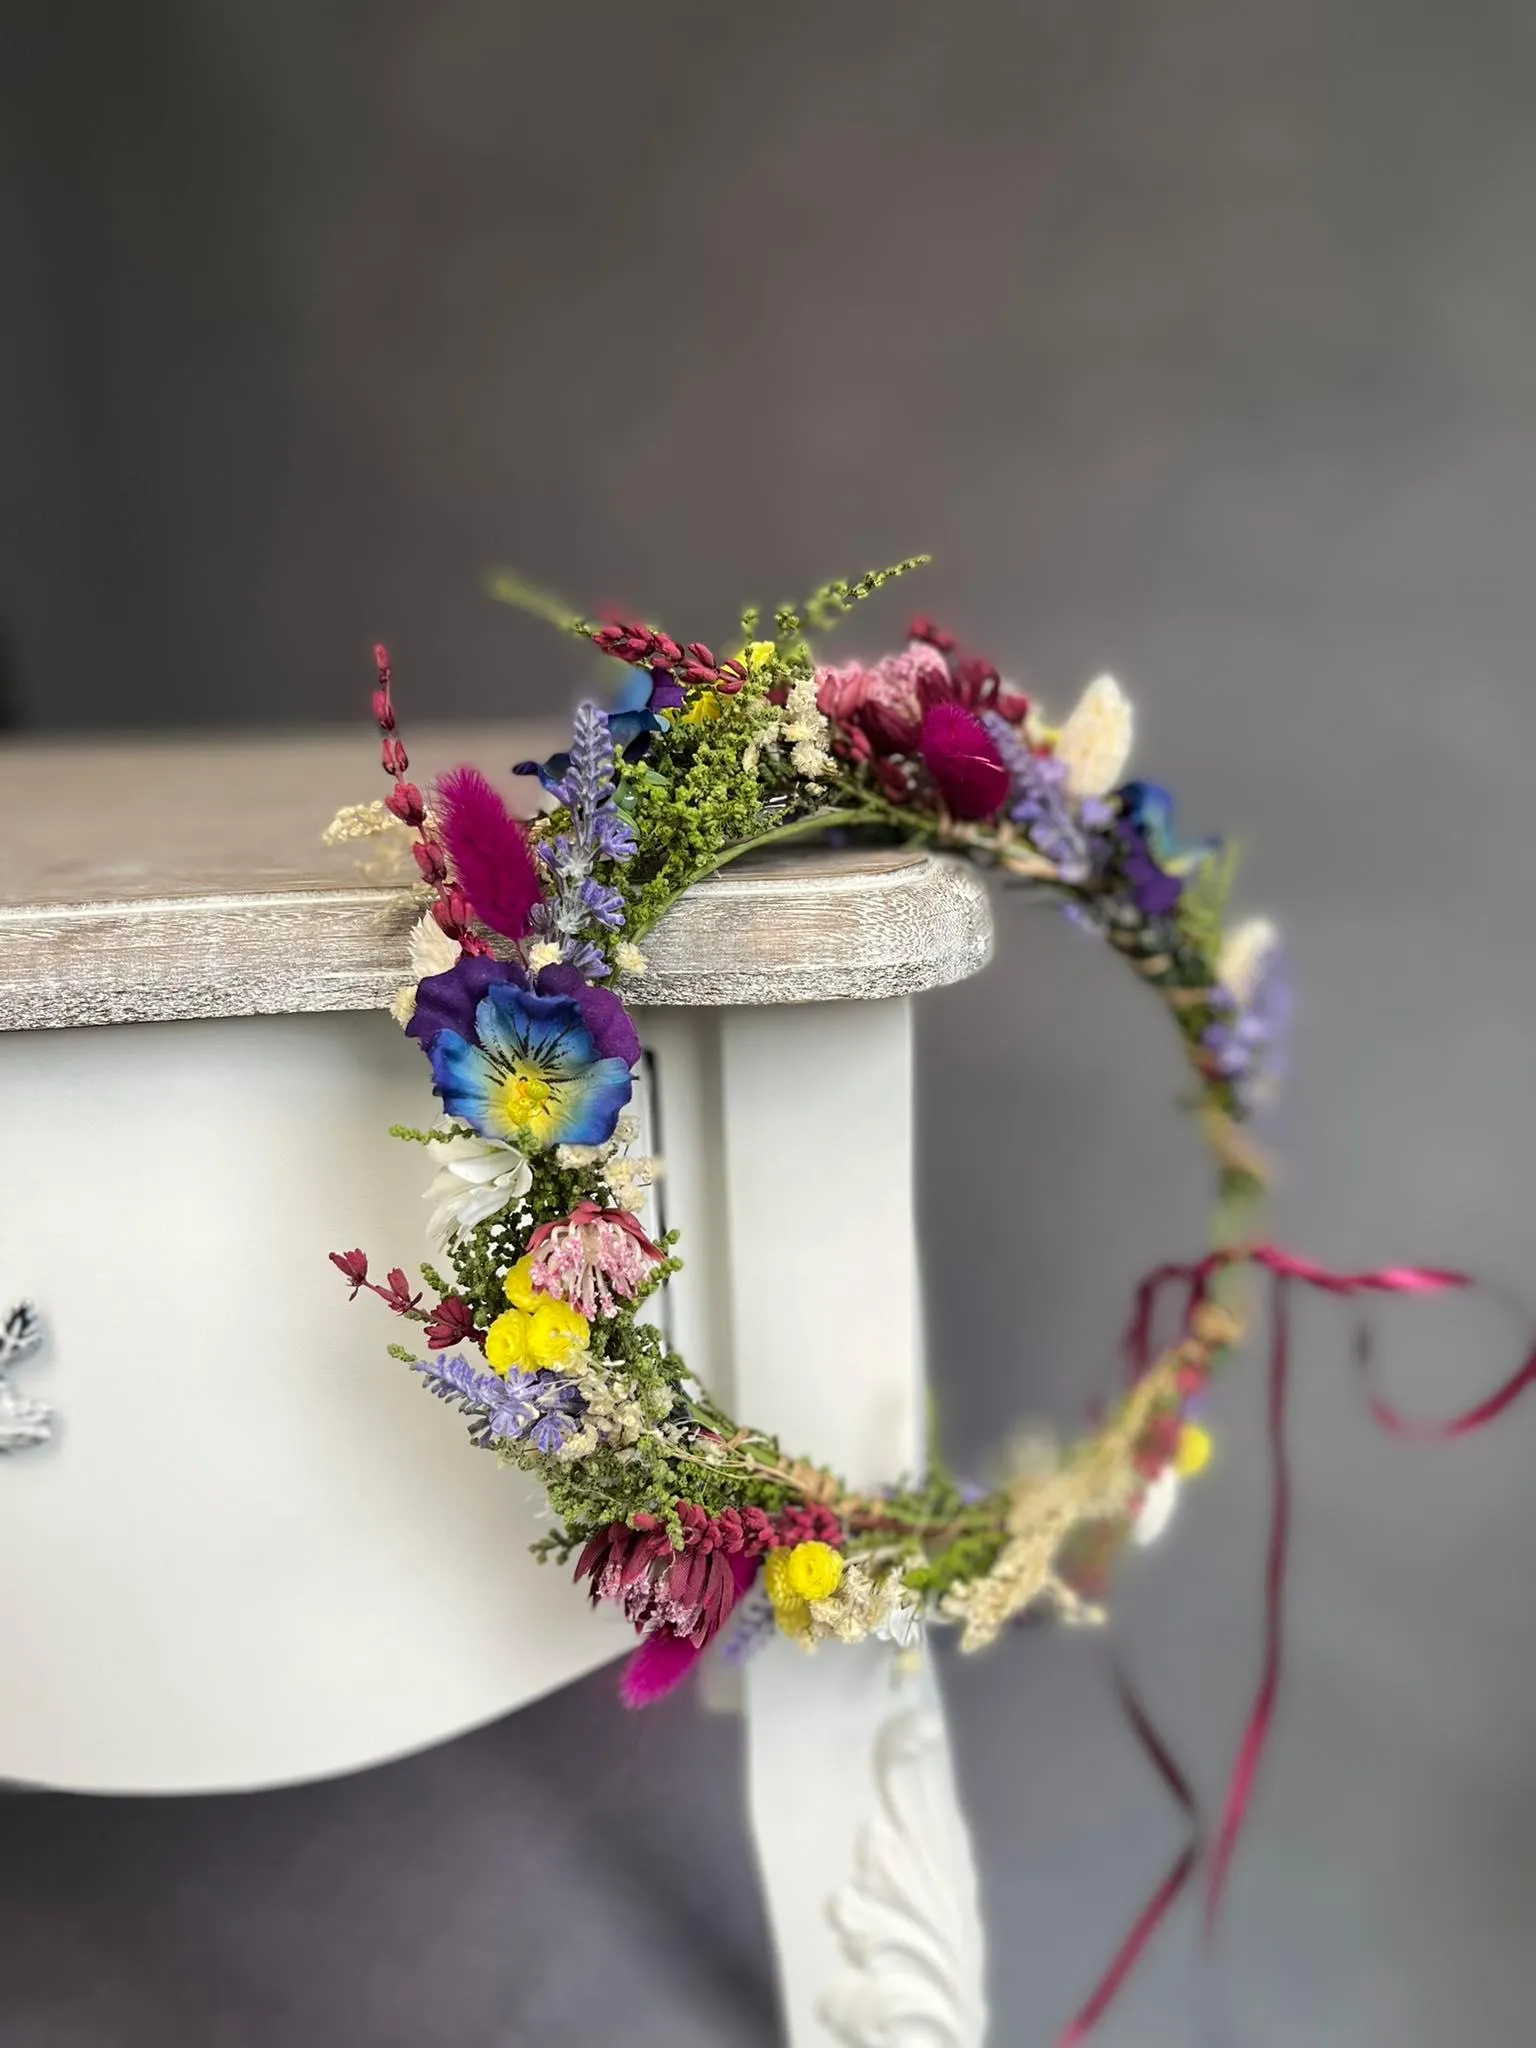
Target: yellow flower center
column 524, row 1093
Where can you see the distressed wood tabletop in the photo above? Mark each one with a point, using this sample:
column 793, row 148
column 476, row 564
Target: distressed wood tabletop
column 145, row 881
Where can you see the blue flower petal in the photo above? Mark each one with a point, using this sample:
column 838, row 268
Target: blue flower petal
column 466, row 1081
column 546, row 1030
column 592, row 1102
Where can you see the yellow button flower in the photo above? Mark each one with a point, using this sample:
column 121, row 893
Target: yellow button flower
column 814, row 1571
column 790, row 1611
column 520, row 1290
column 1194, row 1450
column 506, row 1343
column 556, row 1333
column 550, row 1335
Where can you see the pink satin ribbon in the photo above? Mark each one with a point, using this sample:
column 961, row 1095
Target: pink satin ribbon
column 1193, row 1282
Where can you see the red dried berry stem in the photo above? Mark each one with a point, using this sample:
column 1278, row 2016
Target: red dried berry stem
column 642, row 647
column 450, row 907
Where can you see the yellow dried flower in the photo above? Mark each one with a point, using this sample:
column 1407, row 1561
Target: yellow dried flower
column 1194, row 1450
column 537, row 1331
column 506, row 1343
column 813, row 1571
column 519, row 1288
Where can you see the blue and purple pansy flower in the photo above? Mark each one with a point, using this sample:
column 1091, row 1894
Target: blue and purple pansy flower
column 535, row 1062
column 631, row 721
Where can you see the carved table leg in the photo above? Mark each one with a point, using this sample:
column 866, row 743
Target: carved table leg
column 863, row 1852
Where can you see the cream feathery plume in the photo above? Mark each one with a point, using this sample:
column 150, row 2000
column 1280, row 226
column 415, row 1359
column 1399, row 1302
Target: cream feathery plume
column 1095, row 742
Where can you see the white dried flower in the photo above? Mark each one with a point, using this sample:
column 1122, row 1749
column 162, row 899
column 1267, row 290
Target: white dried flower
column 630, row 1180
column 1157, row 1506
column 477, row 1178
column 1243, row 954
column 431, row 951
column 545, row 954
column 629, row 960
column 1095, row 743
column 866, row 1603
column 359, row 821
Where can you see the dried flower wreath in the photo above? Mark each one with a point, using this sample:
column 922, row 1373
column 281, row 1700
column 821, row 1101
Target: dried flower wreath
column 690, row 1522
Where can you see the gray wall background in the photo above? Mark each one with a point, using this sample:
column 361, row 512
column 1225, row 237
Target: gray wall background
column 1197, row 342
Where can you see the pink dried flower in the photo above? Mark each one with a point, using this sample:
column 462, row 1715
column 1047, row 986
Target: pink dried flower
column 923, row 628
column 429, row 859
column 810, row 1524
column 678, row 1599
column 591, row 1257
column 451, row 1322
column 405, row 800
column 354, row 1267
column 887, row 702
column 397, row 1295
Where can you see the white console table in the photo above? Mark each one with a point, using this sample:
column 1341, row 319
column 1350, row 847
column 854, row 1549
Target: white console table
column 252, row 1552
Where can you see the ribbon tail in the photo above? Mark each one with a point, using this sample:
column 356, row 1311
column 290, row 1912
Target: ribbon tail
column 1157, row 1908
column 1250, row 1754
column 1418, row 1429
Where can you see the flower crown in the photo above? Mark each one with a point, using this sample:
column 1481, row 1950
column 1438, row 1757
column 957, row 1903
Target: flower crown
column 673, row 1510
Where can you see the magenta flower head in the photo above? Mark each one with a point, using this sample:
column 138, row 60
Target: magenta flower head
column 489, row 852
column 963, row 760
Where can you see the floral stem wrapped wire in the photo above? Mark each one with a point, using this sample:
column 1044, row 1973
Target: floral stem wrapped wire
column 535, row 1333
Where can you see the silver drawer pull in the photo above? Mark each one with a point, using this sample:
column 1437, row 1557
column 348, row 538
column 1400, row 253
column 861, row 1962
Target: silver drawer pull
column 24, row 1423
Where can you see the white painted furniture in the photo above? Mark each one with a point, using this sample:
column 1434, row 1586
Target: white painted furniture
column 255, row 1552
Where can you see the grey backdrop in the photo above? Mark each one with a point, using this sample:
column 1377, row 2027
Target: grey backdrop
column 1197, row 341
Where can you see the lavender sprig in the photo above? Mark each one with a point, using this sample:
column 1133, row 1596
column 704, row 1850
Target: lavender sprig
column 1246, row 1040
column 596, row 829
column 541, row 1406
column 1040, row 802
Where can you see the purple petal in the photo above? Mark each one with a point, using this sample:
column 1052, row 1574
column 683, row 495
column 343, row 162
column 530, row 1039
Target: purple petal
column 606, row 1019
column 447, row 1002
